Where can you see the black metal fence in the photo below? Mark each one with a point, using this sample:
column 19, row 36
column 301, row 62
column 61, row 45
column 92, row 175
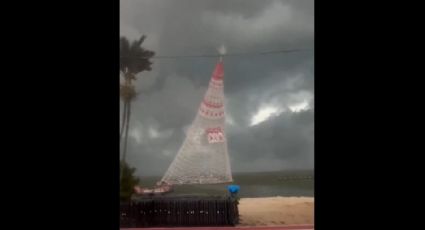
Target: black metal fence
column 179, row 211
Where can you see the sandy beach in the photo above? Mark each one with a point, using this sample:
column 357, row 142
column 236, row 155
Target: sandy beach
column 270, row 211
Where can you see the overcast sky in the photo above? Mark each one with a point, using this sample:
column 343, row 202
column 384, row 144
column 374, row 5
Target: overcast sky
column 269, row 98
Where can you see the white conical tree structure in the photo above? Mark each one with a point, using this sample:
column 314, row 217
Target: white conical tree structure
column 203, row 158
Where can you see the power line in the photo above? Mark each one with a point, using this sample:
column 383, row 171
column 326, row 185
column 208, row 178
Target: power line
column 229, row 55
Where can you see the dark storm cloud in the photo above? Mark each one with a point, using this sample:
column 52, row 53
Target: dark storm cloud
column 171, row 92
column 286, row 138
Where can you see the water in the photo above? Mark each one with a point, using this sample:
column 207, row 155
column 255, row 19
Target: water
column 258, row 184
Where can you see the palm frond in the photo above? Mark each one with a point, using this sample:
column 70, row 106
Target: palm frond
column 133, row 57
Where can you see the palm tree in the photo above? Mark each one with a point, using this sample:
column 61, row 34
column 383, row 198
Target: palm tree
column 133, row 60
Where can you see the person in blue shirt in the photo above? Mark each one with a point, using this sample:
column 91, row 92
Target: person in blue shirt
column 233, row 189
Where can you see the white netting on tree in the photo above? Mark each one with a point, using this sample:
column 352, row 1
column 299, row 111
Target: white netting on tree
column 203, row 157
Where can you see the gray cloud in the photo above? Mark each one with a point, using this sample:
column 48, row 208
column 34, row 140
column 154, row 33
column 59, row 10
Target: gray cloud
column 171, row 92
